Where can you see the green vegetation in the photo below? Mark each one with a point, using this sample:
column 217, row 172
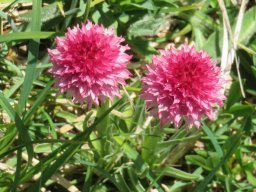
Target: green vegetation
column 48, row 142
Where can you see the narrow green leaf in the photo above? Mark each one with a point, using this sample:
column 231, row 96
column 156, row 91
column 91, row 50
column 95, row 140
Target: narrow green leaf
column 249, row 168
column 199, row 38
column 180, row 186
column 235, row 140
column 33, row 50
column 213, row 45
column 47, row 164
column 23, row 132
column 7, row 107
column 234, row 94
column 88, row 179
column 9, row 19
column 149, row 5
column 44, row 141
column 150, row 144
column 101, row 170
column 138, row 114
column 52, row 126
column 18, row 170
column 198, row 160
column 17, row 36
column 176, row 173
column 7, row 139
column 248, row 26
column 213, row 139
column 182, row 8
column 168, row 143
column 134, row 180
column 122, row 182
column 87, row 10
column 13, row 67
column 14, row 88
column 69, row 16
column 141, row 166
column 45, row 147
column 40, row 99
column 241, row 110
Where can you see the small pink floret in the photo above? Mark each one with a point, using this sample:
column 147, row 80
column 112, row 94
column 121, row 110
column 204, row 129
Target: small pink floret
column 90, row 63
column 183, row 84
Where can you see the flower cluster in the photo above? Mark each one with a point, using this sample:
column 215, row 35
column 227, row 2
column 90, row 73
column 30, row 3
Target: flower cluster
column 183, row 84
column 90, row 63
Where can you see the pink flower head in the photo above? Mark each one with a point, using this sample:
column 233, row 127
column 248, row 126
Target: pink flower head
column 183, row 84
column 89, row 63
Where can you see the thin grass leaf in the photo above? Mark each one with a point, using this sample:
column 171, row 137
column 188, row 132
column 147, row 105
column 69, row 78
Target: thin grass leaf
column 213, row 139
column 140, row 165
column 150, row 144
column 14, row 68
column 52, row 125
column 40, row 99
column 7, row 107
column 138, row 114
column 8, row 138
column 88, row 179
column 122, row 182
column 9, row 19
column 23, row 132
column 235, row 142
column 101, row 170
column 179, row 174
column 49, row 171
column 14, row 88
column 181, row 9
column 164, row 144
column 18, row 170
column 43, row 141
column 134, row 180
column 18, row 36
column 69, row 16
column 69, row 151
column 247, row 49
column 248, row 26
column 87, row 10
column 33, row 51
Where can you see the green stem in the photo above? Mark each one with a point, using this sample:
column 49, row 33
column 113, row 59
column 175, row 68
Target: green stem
column 101, row 131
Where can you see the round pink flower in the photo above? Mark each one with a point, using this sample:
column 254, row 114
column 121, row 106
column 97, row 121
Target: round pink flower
column 183, row 84
column 90, row 63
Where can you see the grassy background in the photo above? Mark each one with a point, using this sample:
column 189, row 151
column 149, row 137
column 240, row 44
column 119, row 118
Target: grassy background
column 49, row 143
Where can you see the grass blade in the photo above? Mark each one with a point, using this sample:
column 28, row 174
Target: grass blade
column 17, row 36
column 235, row 143
column 9, row 19
column 32, row 56
column 138, row 161
column 87, row 10
column 176, row 173
column 70, row 150
column 23, row 132
column 7, row 139
column 213, row 139
column 102, row 171
column 18, row 170
column 40, row 99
